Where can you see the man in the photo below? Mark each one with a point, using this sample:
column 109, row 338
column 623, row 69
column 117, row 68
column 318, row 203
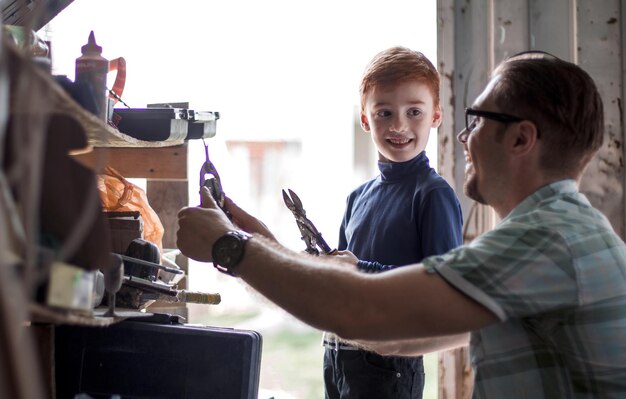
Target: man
column 543, row 294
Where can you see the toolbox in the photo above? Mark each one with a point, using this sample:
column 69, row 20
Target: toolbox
column 146, row 359
column 167, row 123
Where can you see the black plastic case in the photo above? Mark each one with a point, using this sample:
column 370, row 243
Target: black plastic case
column 163, row 124
column 148, row 360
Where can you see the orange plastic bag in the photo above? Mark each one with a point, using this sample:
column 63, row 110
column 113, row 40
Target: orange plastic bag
column 118, row 194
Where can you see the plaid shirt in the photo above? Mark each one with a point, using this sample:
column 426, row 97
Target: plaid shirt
column 554, row 273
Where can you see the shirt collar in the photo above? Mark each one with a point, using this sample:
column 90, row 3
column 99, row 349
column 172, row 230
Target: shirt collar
column 391, row 171
column 557, row 188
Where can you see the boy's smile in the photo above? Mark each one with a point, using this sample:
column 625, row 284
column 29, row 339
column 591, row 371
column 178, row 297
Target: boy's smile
column 400, row 117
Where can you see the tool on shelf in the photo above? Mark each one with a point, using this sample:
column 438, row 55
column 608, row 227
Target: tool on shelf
column 211, row 179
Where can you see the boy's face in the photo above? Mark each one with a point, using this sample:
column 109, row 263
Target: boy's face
column 400, row 117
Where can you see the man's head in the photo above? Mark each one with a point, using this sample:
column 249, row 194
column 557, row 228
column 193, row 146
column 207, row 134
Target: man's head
column 562, row 101
column 535, row 107
column 400, row 102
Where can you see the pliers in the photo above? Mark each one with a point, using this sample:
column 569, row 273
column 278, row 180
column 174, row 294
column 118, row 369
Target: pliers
column 211, row 179
column 310, row 235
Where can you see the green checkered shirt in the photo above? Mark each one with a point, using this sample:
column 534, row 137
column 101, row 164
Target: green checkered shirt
column 554, row 273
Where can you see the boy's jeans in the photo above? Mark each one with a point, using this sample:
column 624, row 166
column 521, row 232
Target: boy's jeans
column 352, row 374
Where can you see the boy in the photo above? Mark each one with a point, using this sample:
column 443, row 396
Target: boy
column 401, row 216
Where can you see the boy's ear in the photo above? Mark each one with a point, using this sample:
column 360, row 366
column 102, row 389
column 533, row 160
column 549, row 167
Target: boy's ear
column 437, row 117
column 365, row 123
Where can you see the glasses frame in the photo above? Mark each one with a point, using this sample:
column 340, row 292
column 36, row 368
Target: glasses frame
column 496, row 116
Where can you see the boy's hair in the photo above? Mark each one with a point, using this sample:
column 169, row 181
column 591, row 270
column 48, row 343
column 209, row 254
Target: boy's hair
column 561, row 99
column 398, row 65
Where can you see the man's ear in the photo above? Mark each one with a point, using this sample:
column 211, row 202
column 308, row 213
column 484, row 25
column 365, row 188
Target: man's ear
column 437, row 117
column 365, row 123
column 525, row 137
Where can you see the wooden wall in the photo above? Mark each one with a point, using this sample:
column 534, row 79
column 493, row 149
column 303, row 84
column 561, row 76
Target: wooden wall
column 473, row 37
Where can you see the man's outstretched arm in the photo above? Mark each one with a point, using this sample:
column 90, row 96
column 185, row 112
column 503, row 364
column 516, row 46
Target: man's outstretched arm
column 414, row 346
column 400, row 304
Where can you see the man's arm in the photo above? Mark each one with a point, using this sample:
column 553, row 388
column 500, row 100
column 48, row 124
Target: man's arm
column 403, row 303
column 415, row 346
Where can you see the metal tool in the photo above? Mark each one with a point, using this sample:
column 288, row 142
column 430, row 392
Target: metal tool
column 211, row 179
column 131, row 260
column 310, row 235
column 167, row 293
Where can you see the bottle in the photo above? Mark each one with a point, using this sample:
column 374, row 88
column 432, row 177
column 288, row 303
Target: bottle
column 92, row 69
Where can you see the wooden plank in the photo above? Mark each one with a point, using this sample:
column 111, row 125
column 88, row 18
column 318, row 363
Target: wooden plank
column 552, row 27
column 167, row 198
column 464, row 58
column 581, row 31
column 165, row 163
column 600, row 54
column 510, row 29
column 34, row 13
column 448, row 129
column 457, row 379
column 623, row 86
column 472, row 66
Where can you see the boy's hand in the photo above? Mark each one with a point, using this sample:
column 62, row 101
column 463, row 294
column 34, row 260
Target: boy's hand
column 199, row 227
column 346, row 257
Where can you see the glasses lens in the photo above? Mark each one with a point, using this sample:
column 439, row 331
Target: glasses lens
column 471, row 122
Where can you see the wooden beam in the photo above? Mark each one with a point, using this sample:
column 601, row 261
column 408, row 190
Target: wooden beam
column 154, row 163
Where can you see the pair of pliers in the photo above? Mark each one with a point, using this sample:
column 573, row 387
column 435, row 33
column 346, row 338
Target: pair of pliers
column 310, row 235
column 211, row 179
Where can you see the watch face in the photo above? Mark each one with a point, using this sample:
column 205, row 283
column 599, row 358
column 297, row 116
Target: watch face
column 228, row 250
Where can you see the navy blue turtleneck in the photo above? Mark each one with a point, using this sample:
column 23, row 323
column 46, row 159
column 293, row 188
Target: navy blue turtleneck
column 402, row 216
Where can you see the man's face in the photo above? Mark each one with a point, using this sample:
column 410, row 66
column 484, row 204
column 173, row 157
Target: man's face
column 400, row 117
column 484, row 155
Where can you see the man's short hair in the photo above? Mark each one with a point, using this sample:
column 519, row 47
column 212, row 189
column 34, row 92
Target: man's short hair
column 561, row 99
column 397, row 65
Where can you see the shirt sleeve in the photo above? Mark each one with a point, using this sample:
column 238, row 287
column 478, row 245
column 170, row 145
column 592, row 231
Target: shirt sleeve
column 514, row 271
column 373, row 267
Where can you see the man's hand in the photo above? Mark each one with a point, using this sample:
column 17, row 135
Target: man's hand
column 199, row 227
column 247, row 222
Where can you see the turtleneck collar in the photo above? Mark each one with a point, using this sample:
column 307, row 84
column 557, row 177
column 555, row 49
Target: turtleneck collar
column 394, row 171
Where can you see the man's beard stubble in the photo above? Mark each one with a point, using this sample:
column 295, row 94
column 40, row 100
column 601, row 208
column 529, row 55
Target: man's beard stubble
column 470, row 188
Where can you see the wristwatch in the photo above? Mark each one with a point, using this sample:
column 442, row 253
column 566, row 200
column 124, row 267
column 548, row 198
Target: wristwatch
column 228, row 251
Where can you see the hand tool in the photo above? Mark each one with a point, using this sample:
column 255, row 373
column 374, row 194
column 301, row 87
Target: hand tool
column 310, row 235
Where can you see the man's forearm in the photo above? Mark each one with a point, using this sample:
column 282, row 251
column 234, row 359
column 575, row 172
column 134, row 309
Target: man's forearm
column 403, row 303
column 413, row 347
column 314, row 289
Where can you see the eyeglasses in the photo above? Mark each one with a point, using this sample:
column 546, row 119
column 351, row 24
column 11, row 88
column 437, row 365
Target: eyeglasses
column 471, row 120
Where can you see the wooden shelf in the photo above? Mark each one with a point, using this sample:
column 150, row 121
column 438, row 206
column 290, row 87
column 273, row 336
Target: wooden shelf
column 161, row 163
